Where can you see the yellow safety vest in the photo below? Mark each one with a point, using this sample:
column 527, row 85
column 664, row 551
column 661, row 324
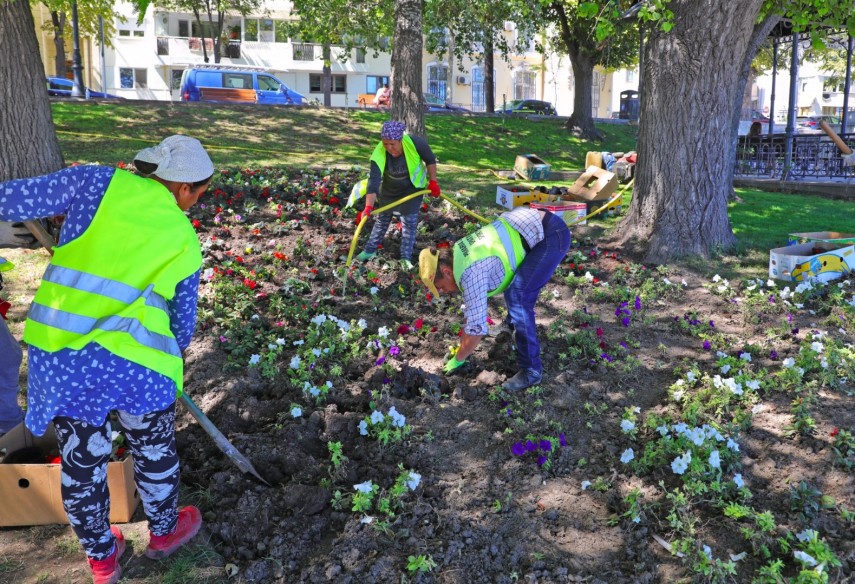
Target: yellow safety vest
column 498, row 239
column 415, row 166
column 110, row 285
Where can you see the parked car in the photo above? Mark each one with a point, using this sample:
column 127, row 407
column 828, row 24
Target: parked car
column 433, row 103
column 224, row 84
column 529, row 106
column 810, row 124
column 61, row 87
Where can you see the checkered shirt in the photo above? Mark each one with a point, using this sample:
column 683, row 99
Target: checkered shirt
column 486, row 275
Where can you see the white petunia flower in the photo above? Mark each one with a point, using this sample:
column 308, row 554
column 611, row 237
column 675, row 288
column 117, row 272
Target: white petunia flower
column 627, row 455
column 296, row 412
column 663, row 430
column 585, row 485
column 254, row 359
column 733, row 445
column 361, row 323
column 715, row 459
column 725, row 368
column 691, row 376
column 804, row 558
column 299, row 342
column 365, row 487
column 589, row 276
column 818, row 347
column 383, row 332
column 373, row 290
column 716, row 278
column 363, row 428
column 806, row 535
column 627, row 425
column 414, row 480
column 752, row 384
column 737, row 478
column 376, row 417
column 788, row 362
column 295, row 362
column 681, row 463
column 745, row 357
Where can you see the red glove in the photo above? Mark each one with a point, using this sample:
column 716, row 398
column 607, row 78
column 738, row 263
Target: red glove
column 433, row 188
column 364, row 213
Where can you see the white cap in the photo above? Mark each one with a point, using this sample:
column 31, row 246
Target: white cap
column 179, row 159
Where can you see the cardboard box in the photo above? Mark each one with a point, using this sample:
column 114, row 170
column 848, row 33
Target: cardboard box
column 531, row 167
column 826, row 236
column 30, row 493
column 573, row 213
column 510, row 196
column 595, row 184
column 818, row 260
column 614, row 207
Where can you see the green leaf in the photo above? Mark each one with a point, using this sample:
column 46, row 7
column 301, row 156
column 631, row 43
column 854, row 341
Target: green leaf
column 588, row 9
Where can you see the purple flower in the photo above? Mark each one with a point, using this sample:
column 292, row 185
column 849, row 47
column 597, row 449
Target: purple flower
column 795, row 331
column 789, row 317
column 771, row 299
column 546, row 445
column 530, row 446
column 624, row 345
column 712, row 324
column 394, row 351
column 625, row 321
column 637, row 303
column 606, row 357
column 562, row 440
column 380, row 361
column 585, row 309
column 773, row 354
column 707, row 345
column 618, row 311
column 510, row 412
column 518, row 449
column 676, row 319
column 694, row 322
column 541, row 460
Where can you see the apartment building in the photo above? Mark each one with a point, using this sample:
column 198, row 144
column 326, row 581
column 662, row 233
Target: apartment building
column 146, row 60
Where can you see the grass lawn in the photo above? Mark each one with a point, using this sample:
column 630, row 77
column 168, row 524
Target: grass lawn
column 469, row 148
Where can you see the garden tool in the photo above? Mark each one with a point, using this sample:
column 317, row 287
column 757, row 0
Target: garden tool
column 848, row 156
column 221, row 441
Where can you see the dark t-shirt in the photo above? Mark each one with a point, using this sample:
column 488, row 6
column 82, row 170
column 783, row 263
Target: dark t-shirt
column 396, row 183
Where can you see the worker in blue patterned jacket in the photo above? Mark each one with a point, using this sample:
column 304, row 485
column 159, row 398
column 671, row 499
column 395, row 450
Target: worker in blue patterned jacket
column 516, row 254
column 107, row 328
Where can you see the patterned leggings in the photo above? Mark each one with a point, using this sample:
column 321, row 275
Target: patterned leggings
column 408, row 237
column 85, row 452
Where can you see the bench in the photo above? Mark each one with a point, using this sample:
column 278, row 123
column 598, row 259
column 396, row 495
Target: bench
column 367, row 100
column 227, row 95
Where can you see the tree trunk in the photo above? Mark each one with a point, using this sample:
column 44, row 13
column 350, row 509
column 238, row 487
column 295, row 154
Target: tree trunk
column 58, row 21
column 29, row 146
column 407, row 66
column 686, row 138
column 489, row 80
column 581, row 121
column 326, row 80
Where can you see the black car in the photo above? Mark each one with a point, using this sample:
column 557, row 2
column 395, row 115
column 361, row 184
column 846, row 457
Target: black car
column 529, row 107
column 61, row 87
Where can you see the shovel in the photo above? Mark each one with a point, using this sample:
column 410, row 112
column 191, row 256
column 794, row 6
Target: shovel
column 221, row 441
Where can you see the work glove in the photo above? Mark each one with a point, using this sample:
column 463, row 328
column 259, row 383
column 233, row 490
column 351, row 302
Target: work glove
column 15, row 235
column 453, row 365
column 433, row 188
column 364, row 213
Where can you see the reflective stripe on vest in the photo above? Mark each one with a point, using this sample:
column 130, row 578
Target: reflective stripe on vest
column 498, row 239
column 415, row 165
column 83, row 325
column 103, row 286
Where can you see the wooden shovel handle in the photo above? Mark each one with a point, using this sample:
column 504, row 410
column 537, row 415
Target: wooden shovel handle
column 41, row 234
column 835, row 138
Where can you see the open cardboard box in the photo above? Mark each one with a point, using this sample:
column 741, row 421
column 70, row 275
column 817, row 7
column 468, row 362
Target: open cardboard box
column 30, row 493
column 817, row 260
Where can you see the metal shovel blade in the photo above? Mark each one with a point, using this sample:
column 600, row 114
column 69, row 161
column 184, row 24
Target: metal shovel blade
column 219, row 439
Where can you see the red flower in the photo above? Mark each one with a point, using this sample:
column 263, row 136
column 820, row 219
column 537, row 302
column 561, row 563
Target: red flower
column 599, row 333
column 250, row 283
column 279, row 255
column 403, row 329
column 424, row 207
column 443, row 245
column 334, row 201
column 239, row 259
column 196, row 224
column 419, row 324
column 834, row 432
column 596, row 280
column 429, row 296
column 433, row 329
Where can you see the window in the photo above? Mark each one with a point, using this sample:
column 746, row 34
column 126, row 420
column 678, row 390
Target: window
column 630, row 75
column 375, row 82
column 360, row 55
column 206, row 30
column 131, row 33
column 524, row 83
column 237, row 80
column 598, row 80
column 175, row 79
column 133, row 78
column 437, row 76
column 267, row 83
column 265, row 30
column 479, row 90
column 339, row 83
column 184, row 28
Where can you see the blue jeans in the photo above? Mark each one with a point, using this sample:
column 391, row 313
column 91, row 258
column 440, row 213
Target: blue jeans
column 85, row 452
column 408, row 235
column 10, row 365
column 531, row 276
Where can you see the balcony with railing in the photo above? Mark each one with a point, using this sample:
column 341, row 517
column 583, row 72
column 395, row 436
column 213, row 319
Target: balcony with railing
column 186, row 47
column 303, row 51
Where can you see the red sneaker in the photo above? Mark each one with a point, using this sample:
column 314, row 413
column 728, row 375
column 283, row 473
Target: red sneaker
column 108, row 571
column 163, row 546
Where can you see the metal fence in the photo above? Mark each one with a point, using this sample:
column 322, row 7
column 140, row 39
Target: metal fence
column 815, row 156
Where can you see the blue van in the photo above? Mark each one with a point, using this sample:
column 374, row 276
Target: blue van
column 235, row 85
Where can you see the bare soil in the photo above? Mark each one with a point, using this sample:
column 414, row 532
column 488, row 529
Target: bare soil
column 481, row 513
